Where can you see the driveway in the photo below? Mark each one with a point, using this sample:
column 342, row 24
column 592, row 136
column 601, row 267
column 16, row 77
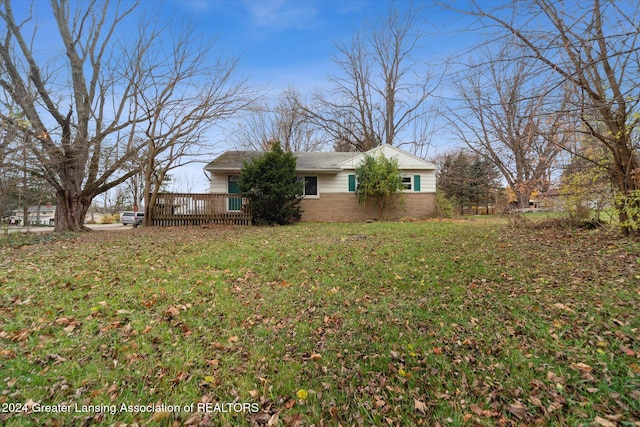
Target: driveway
column 96, row 227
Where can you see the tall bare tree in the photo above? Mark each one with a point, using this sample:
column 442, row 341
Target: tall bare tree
column 77, row 104
column 593, row 48
column 502, row 117
column 382, row 89
column 285, row 122
column 185, row 91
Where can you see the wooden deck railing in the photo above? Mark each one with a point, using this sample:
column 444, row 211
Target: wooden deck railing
column 178, row 209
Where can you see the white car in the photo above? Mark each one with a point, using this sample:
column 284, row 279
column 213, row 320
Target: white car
column 132, row 218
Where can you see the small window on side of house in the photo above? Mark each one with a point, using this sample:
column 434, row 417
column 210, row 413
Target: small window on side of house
column 310, row 185
column 406, row 182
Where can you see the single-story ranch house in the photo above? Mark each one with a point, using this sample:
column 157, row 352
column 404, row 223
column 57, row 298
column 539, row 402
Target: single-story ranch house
column 330, row 184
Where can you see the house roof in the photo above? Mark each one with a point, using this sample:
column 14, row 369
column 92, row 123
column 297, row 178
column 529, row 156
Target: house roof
column 231, row 161
column 305, row 161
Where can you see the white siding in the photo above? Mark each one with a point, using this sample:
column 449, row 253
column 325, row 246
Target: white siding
column 219, row 183
column 339, row 183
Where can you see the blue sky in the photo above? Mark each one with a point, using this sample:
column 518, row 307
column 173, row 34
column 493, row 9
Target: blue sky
column 282, row 42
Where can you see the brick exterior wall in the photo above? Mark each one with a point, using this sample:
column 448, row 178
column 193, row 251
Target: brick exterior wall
column 344, row 207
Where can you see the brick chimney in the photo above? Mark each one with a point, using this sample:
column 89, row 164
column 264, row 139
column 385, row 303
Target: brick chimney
column 269, row 144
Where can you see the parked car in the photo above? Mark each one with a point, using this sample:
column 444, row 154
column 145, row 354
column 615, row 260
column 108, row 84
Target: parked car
column 132, row 218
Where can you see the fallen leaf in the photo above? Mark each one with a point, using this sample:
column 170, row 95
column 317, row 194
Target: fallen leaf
column 273, row 420
column 604, row 423
column 554, row 406
column 518, row 409
column 7, row 354
column 616, row 417
column 292, row 420
column 627, row 351
column 420, row 406
column 583, row 367
column 172, row 311
column 535, row 401
column 563, row 307
column 475, row 409
column 260, row 417
column 193, row 420
column 554, row 378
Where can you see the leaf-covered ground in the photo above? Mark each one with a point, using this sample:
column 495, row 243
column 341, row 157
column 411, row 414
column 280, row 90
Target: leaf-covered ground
column 432, row 323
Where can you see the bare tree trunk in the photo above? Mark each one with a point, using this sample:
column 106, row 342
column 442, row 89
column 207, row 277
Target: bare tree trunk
column 71, row 210
column 523, row 200
column 152, row 188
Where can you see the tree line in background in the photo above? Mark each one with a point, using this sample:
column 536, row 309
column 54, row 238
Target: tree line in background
column 550, row 97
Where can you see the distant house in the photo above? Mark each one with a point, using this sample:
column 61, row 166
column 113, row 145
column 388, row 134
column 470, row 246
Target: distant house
column 37, row 215
column 330, row 184
column 550, row 200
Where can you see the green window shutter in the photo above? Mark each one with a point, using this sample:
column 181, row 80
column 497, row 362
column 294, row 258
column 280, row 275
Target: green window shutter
column 352, row 183
column 416, row 182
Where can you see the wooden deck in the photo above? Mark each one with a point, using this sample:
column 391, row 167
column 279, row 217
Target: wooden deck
column 180, row 209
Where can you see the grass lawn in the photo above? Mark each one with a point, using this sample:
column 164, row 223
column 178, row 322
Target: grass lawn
column 398, row 324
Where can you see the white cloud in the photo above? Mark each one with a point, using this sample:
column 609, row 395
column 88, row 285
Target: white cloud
column 278, row 15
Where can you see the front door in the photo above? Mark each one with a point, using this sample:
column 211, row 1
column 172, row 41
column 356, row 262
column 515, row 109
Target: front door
column 235, row 203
